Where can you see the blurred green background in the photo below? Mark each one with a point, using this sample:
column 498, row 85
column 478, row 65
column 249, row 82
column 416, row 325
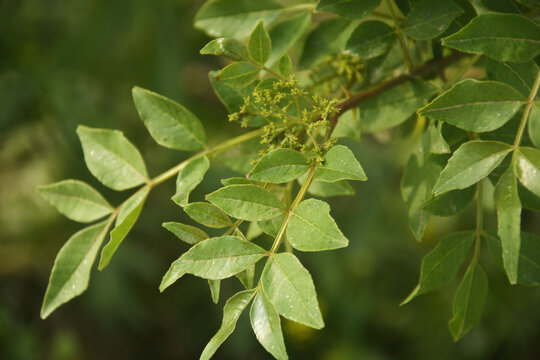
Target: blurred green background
column 64, row 63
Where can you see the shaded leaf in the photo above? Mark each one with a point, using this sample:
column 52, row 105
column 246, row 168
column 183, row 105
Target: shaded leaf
column 235, row 18
column 503, row 37
column 441, row 265
column 469, row 301
column 529, row 257
column 215, row 286
column 247, row 202
column 326, row 189
column 187, row 233
column 285, row 65
column 477, row 106
column 279, row 166
column 311, row 228
column 231, row 312
column 349, row 125
column 271, row 227
column 509, row 221
column 266, row 325
column 127, row 216
column 188, row 178
column 231, row 97
column 437, row 143
column 534, row 125
column 286, row 33
column 76, row 200
column 394, row 106
column 111, row 158
column 354, row 9
column 371, row 39
column 169, row 123
column 430, row 18
column 450, row 203
column 470, row 163
column 208, row 215
column 71, row 271
column 290, row 288
column 518, row 75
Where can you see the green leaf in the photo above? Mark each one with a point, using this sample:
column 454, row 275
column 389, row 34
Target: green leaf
column 530, row 3
column 438, row 145
column 371, row 39
column 326, row 189
column 354, row 9
column 247, row 202
column 419, row 177
column 349, row 126
column 231, row 48
column 529, row 257
column 518, row 75
column 327, row 38
column 239, row 74
column 279, row 166
column 285, row 65
column 76, row 200
column 469, row 301
column 450, row 203
column 441, row 265
column 208, row 215
column 246, row 277
column 503, row 37
column 430, row 18
column 311, row 228
column 71, row 271
column 534, row 125
column 215, row 259
column 470, row 163
column 271, row 227
column 188, row 178
column 215, row 286
column 235, row 18
column 340, row 164
column 127, row 216
column 288, row 32
column 259, row 44
column 266, row 325
column 231, row 97
column 477, row 106
column 394, row 106
column 509, row 221
column 290, row 289
column 111, row 158
column 169, row 123
column 187, row 233
column 235, row 181
column 231, row 312
column 528, row 168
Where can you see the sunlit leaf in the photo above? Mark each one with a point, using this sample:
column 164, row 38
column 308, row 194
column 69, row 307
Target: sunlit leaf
column 187, row 233
column 279, row 166
column 266, row 325
column 207, row 214
column 188, row 178
column 340, row 164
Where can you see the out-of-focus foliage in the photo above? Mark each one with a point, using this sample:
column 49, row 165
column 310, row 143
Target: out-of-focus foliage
column 69, row 63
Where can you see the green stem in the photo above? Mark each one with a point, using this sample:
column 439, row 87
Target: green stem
column 525, row 117
column 479, row 218
column 400, row 35
column 297, row 200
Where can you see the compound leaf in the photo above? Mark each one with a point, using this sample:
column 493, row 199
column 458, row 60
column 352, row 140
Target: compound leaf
column 76, row 200
column 430, row 18
column 247, row 202
column 371, row 39
column 266, row 325
column 71, row 271
column 340, row 164
column 290, row 288
column 477, row 106
column 169, row 123
column 470, row 163
column 509, row 221
column 231, row 312
column 208, row 215
column 239, row 74
column 469, row 301
column 311, row 228
column 187, row 233
column 503, row 37
column 127, row 216
column 279, row 166
column 112, row 158
column 441, row 265
column 188, row 178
